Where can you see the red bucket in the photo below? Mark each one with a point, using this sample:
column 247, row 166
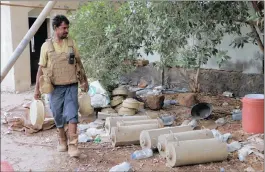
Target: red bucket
column 6, row 167
column 253, row 113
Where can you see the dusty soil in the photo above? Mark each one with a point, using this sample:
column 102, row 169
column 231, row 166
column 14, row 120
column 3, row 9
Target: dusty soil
column 37, row 152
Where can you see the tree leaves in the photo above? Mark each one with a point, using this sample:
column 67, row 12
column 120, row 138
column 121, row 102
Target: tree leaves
column 183, row 33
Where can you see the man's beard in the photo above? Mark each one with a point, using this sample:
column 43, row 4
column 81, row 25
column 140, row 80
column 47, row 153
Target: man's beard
column 63, row 36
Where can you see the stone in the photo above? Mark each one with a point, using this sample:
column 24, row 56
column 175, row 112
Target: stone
column 143, row 83
column 154, row 102
column 187, row 99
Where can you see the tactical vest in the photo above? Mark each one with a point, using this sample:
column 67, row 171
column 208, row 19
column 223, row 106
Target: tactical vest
column 60, row 71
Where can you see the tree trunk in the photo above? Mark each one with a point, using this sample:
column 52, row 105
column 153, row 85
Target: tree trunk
column 260, row 44
column 163, row 76
column 197, row 84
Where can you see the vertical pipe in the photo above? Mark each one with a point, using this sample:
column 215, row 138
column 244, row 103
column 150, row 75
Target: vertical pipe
column 24, row 42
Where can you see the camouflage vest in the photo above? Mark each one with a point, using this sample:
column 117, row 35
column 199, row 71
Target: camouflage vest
column 60, row 71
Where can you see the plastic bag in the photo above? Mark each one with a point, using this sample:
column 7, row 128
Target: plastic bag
column 123, row 167
column 99, row 96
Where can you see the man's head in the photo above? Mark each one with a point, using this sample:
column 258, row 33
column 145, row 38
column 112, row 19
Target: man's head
column 60, row 26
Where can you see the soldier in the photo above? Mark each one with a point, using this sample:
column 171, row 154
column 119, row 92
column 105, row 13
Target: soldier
column 60, row 70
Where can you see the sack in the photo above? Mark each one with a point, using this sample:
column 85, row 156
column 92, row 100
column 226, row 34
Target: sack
column 46, row 86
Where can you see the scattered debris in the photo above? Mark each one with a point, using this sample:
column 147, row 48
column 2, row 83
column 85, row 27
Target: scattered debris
column 187, row 99
column 221, row 137
column 249, row 169
column 93, row 132
column 234, row 146
column 169, row 102
column 244, row 152
column 228, row 94
column 220, row 121
column 225, row 104
column 257, row 141
column 193, row 123
column 222, row 169
column 185, row 122
column 142, row 154
column 154, row 102
column 82, row 138
column 124, row 167
column 210, row 124
column 237, row 115
column 99, row 96
column 168, row 120
column 143, row 83
column 97, row 139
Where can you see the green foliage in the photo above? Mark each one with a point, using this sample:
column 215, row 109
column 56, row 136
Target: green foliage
column 184, row 33
column 105, row 40
column 189, row 32
column 255, row 20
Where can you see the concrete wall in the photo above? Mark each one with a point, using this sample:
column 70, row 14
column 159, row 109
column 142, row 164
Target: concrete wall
column 247, row 60
column 6, row 47
column 211, row 80
column 14, row 26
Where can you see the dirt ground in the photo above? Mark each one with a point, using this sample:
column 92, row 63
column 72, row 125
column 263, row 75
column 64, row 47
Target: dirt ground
column 37, row 152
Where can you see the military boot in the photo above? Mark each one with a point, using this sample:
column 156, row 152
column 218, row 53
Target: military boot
column 73, row 145
column 62, row 145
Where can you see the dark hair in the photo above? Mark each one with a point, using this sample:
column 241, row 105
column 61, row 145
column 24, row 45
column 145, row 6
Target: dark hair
column 58, row 20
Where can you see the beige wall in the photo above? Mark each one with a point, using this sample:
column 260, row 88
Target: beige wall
column 14, row 26
column 6, row 47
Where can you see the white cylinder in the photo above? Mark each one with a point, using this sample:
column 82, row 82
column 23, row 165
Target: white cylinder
column 112, row 121
column 163, row 140
column 138, row 122
column 149, row 138
column 127, row 135
column 190, row 152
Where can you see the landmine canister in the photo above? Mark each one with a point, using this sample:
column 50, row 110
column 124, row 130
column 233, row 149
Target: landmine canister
column 127, row 135
column 149, row 138
column 138, row 122
column 163, row 140
column 112, row 121
column 190, row 152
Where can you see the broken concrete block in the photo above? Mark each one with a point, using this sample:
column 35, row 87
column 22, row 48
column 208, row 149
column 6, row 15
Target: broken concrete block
column 143, row 83
column 187, row 99
column 155, row 102
column 190, row 152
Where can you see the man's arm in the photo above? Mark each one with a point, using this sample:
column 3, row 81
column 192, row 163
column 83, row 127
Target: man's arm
column 82, row 74
column 37, row 93
column 42, row 63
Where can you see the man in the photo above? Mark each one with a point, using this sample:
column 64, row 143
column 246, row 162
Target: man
column 60, row 63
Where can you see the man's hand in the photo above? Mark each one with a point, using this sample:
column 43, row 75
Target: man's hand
column 85, row 86
column 37, row 94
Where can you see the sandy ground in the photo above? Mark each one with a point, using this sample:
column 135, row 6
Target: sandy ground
column 37, row 152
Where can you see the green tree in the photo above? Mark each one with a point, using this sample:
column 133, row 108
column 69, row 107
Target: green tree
column 109, row 35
